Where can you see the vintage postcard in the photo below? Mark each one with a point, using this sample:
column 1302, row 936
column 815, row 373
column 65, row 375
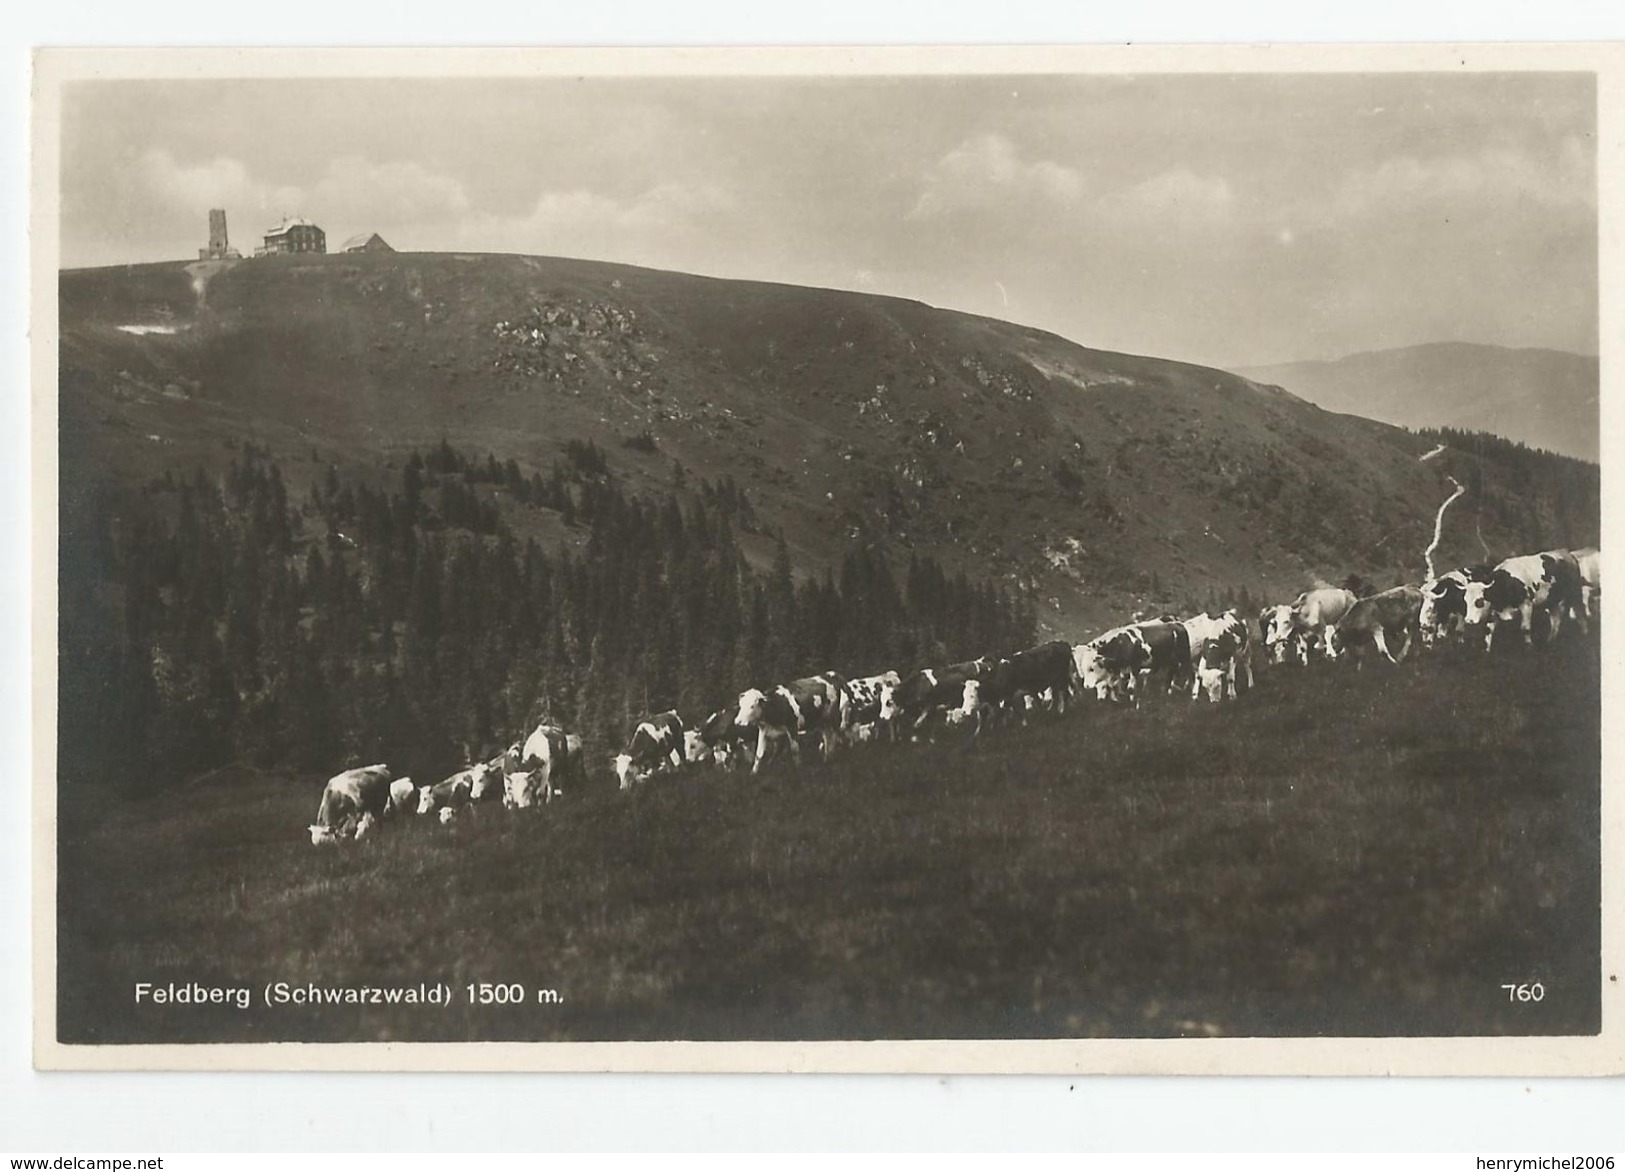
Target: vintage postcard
column 1038, row 560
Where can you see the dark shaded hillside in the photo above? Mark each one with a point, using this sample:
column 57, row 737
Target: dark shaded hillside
column 1094, row 482
column 1544, row 398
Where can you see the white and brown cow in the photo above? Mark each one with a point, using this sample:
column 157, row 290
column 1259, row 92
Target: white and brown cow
column 721, row 741
column 1116, row 664
column 1388, row 617
column 1284, row 641
column 865, row 696
column 813, row 706
column 1590, row 562
column 352, row 802
column 1226, row 648
column 1049, row 667
column 1444, row 602
column 535, row 769
column 1546, row 583
column 1319, row 609
column 403, row 792
column 460, row 789
column 657, row 746
column 907, row 705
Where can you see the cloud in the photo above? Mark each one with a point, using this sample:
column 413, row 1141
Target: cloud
column 985, row 171
column 1493, row 175
column 670, row 223
column 356, row 190
column 220, row 182
column 1173, row 197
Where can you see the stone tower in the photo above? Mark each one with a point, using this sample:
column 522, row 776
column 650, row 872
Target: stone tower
column 218, row 244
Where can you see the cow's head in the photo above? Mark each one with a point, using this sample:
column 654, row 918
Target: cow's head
column 1212, row 680
column 888, row 699
column 1092, row 671
column 486, row 779
column 624, row 770
column 862, row 734
column 366, row 823
column 695, row 750
column 1278, row 624
column 1475, row 598
column 520, row 791
column 447, row 815
column 751, row 702
column 322, row 835
column 1335, row 642
column 426, row 799
column 972, row 699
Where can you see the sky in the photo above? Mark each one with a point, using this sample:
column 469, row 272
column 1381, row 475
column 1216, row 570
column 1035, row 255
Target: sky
column 1226, row 219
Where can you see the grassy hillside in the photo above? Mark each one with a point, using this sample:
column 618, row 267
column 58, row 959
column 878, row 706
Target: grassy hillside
column 1543, row 398
column 1336, row 853
column 1095, row 482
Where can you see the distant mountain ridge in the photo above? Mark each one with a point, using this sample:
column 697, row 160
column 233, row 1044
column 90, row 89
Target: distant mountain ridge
column 1543, row 398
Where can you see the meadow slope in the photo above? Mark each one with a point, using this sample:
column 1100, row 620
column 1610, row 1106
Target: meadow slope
column 1339, row 853
column 1092, row 481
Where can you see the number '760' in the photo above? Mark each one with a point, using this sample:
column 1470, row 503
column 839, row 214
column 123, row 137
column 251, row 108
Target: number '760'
column 1531, row 992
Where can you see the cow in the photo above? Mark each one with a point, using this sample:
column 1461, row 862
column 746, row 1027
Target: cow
column 975, row 708
column 722, row 741
column 1048, row 667
column 488, row 777
column 402, row 795
column 456, row 791
column 864, row 698
column 814, row 705
column 906, row 705
column 1519, row 587
column 1590, row 562
column 348, row 799
column 1124, row 658
column 1223, row 650
column 1318, row 609
column 1444, row 602
column 656, row 745
column 535, row 769
column 1284, row 640
column 1379, row 619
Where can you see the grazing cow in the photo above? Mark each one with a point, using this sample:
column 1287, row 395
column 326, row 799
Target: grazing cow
column 1444, row 602
column 865, row 695
column 723, row 741
column 348, row 799
column 402, row 795
column 1223, row 650
column 1048, row 667
column 657, row 745
column 1520, row 587
column 695, row 750
column 456, row 791
column 1125, row 658
column 1284, row 640
column 1319, row 609
column 1590, row 562
column 804, row 707
column 1381, row 619
column 975, row 708
column 534, row 770
column 906, row 705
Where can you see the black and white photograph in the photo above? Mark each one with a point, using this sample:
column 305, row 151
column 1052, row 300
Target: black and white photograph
column 1010, row 557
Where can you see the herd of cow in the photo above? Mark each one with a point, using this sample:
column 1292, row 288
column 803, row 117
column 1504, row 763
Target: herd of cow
column 1203, row 654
